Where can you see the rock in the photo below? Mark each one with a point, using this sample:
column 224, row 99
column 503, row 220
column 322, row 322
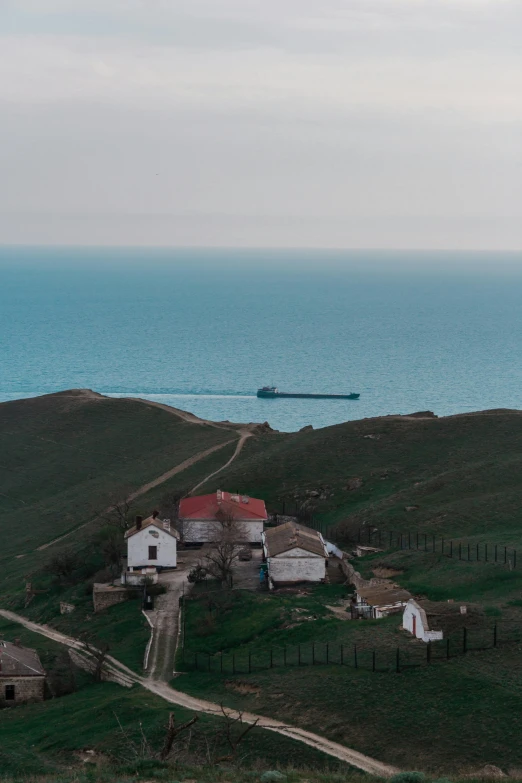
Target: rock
column 307, row 428
column 372, row 437
column 354, row 483
column 491, row 771
column 411, row 508
column 421, row 415
column 272, row 776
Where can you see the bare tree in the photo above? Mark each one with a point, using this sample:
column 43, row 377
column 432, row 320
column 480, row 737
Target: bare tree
column 228, row 538
column 97, row 651
column 234, row 732
column 112, row 548
column 173, row 731
column 119, row 512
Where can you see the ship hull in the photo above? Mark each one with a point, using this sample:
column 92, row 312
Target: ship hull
column 277, row 395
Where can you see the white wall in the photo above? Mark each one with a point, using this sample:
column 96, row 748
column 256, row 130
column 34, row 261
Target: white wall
column 138, row 548
column 202, row 530
column 296, row 566
column 422, row 629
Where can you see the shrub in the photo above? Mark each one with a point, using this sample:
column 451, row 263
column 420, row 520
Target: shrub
column 408, row 777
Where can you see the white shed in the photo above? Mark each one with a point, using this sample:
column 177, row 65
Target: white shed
column 431, row 621
column 294, row 553
column 152, row 542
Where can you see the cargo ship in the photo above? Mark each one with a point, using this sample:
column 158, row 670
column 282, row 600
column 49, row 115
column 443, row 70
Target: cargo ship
column 272, row 392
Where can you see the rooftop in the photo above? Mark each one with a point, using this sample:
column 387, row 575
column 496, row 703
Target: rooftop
column 18, row 661
column 240, row 507
column 290, row 536
column 161, row 524
column 383, row 595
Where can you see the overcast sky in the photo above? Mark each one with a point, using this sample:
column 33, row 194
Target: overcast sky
column 304, row 123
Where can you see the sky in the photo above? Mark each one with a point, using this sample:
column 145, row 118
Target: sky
column 262, row 123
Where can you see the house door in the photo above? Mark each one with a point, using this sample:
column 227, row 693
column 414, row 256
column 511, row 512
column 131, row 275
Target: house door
column 414, row 628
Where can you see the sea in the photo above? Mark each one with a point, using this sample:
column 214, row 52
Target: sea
column 201, row 330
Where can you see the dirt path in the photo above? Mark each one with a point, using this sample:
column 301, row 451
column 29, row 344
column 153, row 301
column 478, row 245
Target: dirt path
column 165, row 621
column 146, row 487
column 119, row 672
column 241, row 442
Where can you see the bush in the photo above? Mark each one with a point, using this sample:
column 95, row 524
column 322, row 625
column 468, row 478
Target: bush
column 197, row 575
column 408, row 777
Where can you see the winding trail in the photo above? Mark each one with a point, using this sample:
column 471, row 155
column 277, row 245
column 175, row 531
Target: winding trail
column 125, row 676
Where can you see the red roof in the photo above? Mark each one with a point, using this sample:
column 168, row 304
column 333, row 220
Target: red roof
column 206, row 506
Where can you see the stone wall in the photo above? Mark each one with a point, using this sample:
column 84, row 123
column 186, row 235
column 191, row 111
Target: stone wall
column 26, row 689
column 356, row 579
column 104, row 596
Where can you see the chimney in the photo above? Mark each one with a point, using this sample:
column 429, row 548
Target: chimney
column 155, row 514
column 219, row 496
column 139, row 520
column 166, row 524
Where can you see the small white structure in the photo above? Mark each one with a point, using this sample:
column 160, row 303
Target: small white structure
column 294, row 554
column 415, row 620
column 152, row 542
column 199, row 516
column 430, row 620
column 380, row 600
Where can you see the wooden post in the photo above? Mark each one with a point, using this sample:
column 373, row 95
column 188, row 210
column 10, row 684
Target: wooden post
column 486, row 552
column 428, row 653
column 496, row 552
column 391, row 534
column 451, row 548
column 221, row 662
column 425, row 542
column 233, row 663
column 417, row 540
column 356, row 666
column 327, row 652
column 398, row 661
column 460, row 551
column 448, row 648
column 464, row 640
column 434, row 542
column 469, row 555
column 284, row 655
column 271, row 657
column 342, row 655
column 299, row 655
column 478, row 553
column 495, row 635
column 209, row 662
column 313, row 653
column 249, row 661
column 505, row 555
column 442, row 546
column 196, row 661
column 514, row 558
column 373, row 661
column 409, row 540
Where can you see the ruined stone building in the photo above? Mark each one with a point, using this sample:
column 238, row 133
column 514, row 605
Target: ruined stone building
column 22, row 676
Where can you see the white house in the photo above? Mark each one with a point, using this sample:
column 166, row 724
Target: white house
column 294, row 553
column 380, row 600
column 199, row 516
column 151, row 543
column 431, row 620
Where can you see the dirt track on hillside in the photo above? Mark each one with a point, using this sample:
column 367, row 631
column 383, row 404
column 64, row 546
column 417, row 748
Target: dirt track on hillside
column 120, row 673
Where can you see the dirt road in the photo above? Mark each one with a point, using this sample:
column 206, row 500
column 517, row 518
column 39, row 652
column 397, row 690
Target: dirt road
column 118, row 671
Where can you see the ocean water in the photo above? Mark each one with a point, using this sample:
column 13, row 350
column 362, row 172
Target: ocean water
column 202, row 330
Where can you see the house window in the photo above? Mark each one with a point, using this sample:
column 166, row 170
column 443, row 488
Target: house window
column 153, row 552
column 9, row 692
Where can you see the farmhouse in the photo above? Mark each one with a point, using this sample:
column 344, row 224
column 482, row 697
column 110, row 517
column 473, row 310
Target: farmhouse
column 432, row 620
column 379, row 600
column 152, row 542
column 199, row 517
column 294, row 553
column 22, row 677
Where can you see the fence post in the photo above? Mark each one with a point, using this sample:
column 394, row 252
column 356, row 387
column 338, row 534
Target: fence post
column 496, row 552
column 428, row 653
column 417, row 540
column 196, row 661
column 397, row 661
column 373, row 661
column 209, row 662
column 313, row 653
column 505, row 555
column 271, row 657
column 514, row 558
column 469, row 556
column 299, row 655
column 356, row 666
column 409, row 540
column 495, row 635
column 442, row 546
column 425, row 542
column 221, row 662
column 249, row 661
column 448, row 648
column 391, row 534
column 342, row 655
column 327, row 652
column 486, row 552
column 464, row 640
column 433, row 537
column 478, row 553
column 284, row 655
column 460, row 551
column 451, row 548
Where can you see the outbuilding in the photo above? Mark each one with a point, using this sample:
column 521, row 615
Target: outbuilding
column 22, row 676
column 201, row 517
column 152, row 542
column 431, row 621
column 380, row 600
column 294, row 553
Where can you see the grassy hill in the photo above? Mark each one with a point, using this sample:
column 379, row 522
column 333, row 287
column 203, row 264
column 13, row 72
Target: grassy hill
column 66, row 457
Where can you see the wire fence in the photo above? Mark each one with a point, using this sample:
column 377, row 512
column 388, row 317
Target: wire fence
column 460, row 549
column 359, row 656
